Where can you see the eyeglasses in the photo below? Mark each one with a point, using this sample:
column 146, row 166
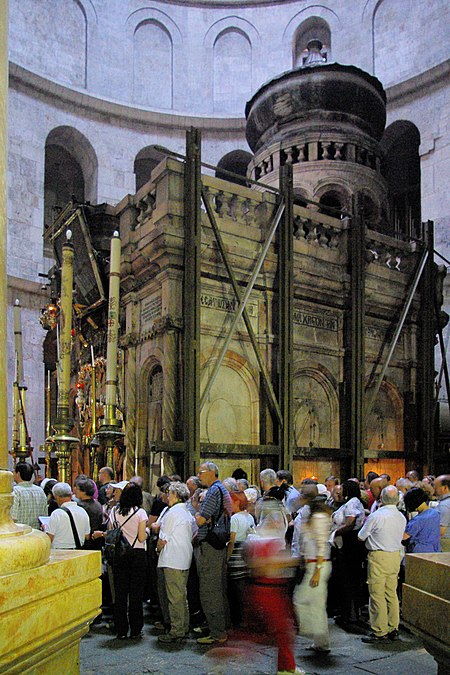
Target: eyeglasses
column 203, row 471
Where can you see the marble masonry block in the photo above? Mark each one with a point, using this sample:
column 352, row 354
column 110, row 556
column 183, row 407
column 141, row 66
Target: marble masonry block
column 426, row 596
column 45, row 611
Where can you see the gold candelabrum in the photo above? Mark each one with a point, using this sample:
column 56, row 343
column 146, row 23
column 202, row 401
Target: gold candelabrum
column 63, row 425
column 21, row 446
column 111, row 429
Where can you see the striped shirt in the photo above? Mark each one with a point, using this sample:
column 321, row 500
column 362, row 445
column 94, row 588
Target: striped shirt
column 211, row 507
column 29, row 503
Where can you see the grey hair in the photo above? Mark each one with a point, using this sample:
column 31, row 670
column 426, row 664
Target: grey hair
column 268, row 476
column 404, row 482
column 181, row 490
column 62, row 490
column 389, row 495
column 230, row 484
column 197, row 482
column 212, row 467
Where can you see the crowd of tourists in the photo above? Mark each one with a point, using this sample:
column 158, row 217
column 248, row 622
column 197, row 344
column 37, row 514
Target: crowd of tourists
column 213, row 556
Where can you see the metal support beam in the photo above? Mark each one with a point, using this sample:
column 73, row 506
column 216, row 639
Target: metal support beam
column 285, row 316
column 242, row 304
column 374, row 391
column 427, row 297
column 357, row 340
column 245, row 316
column 443, row 371
column 191, row 298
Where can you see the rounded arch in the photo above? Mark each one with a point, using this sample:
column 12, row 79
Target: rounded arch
column 333, row 194
column 313, row 28
column 82, row 151
column 369, row 208
column 312, row 11
column 231, row 410
column 151, row 14
column 401, row 169
column 149, row 424
column 145, row 161
column 230, row 23
column 385, row 421
column 316, row 406
column 237, row 162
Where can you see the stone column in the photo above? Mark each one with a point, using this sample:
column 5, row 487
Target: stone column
column 3, row 174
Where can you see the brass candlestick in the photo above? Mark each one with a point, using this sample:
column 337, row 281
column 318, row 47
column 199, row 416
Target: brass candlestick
column 111, row 429
column 63, row 425
column 21, row 447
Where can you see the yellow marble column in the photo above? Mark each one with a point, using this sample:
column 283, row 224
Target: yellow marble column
column 3, row 174
column 46, row 603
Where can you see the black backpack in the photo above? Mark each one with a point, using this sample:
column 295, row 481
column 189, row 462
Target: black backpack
column 117, row 546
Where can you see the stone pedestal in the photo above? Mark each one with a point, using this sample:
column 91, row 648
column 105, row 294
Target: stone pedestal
column 47, row 598
column 426, row 603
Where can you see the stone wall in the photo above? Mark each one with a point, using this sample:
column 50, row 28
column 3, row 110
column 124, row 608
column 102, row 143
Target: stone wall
column 87, row 86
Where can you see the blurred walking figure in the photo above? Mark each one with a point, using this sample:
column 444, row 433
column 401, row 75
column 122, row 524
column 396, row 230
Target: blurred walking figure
column 242, row 524
column 268, row 596
column 310, row 597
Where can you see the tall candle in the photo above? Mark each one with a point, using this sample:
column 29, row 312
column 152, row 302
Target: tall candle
column 18, row 341
column 113, row 327
column 65, row 326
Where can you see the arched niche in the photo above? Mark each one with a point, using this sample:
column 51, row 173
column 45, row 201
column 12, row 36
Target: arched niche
column 232, row 70
column 332, row 195
column 401, row 169
column 370, row 211
column 237, row 162
column 231, row 410
column 70, row 170
column 313, row 28
column 66, row 24
column 385, row 421
column 153, row 65
column 316, row 407
column 146, row 160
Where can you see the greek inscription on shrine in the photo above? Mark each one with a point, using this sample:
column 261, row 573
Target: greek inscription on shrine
column 313, row 320
column 150, row 310
column 225, row 304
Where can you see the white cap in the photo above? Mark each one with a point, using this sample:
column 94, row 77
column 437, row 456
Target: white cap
column 119, row 486
column 322, row 490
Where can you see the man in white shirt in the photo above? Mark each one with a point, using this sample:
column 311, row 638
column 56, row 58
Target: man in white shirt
column 59, row 527
column 383, row 533
column 175, row 555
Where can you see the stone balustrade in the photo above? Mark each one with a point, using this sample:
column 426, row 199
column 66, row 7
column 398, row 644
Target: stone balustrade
column 328, row 149
column 395, row 254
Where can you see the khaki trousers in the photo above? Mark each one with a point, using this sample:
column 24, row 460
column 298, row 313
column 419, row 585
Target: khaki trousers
column 382, row 575
column 175, row 584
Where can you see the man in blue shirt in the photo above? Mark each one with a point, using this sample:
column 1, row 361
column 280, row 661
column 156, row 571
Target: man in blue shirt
column 211, row 562
column 422, row 534
column 442, row 491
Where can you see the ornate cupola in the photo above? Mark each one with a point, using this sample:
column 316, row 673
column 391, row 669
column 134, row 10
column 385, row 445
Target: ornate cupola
column 326, row 120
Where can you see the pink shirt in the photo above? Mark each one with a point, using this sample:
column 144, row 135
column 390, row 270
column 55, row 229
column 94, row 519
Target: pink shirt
column 130, row 528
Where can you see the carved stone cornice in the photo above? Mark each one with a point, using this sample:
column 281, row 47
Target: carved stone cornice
column 161, row 325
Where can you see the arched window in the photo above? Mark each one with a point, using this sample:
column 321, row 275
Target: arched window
column 313, row 28
column 152, row 65
column 155, row 402
column 70, row 172
column 146, row 160
column 316, row 408
column 232, row 71
column 401, row 168
column 369, row 211
column 330, row 202
column 237, row 162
